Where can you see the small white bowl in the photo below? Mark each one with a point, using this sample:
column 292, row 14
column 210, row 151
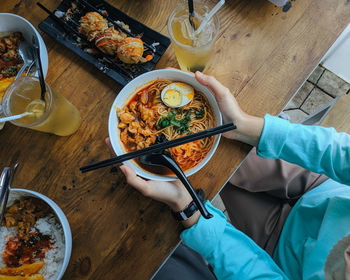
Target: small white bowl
column 12, row 23
column 19, row 193
column 131, row 89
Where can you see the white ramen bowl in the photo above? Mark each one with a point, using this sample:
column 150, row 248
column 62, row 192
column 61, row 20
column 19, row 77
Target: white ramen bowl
column 131, row 89
column 11, row 23
column 19, row 193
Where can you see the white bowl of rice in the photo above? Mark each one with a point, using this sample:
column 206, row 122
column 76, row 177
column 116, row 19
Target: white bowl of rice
column 54, row 227
column 142, row 82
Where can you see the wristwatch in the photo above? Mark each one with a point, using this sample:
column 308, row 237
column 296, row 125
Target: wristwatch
column 192, row 208
column 186, row 213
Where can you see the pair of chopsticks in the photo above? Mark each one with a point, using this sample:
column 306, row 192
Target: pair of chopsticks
column 160, row 147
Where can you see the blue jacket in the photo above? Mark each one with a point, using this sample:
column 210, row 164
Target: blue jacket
column 316, row 223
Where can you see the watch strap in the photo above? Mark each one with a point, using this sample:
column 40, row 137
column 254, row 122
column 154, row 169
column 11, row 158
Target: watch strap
column 186, row 213
column 192, row 208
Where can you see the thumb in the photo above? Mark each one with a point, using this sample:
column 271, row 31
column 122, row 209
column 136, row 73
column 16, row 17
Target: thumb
column 221, row 92
column 137, row 182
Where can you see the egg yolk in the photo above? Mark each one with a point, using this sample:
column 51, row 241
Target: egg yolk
column 172, row 98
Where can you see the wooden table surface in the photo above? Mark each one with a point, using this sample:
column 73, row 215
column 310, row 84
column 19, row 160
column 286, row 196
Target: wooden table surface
column 263, row 55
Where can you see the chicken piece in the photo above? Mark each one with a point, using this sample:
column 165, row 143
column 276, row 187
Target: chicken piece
column 132, row 107
column 126, row 117
column 142, row 123
column 92, row 25
column 29, row 205
column 9, row 43
column 140, row 145
column 139, row 138
column 13, row 208
column 10, row 54
column 10, row 221
column 147, row 115
column 122, row 125
column 109, row 40
column 134, row 127
column 144, row 97
column 124, row 136
column 150, row 140
column 29, row 218
column 145, row 131
column 151, row 124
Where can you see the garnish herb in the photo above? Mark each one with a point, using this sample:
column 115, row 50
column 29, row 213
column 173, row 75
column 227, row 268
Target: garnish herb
column 199, row 113
column 170, row 120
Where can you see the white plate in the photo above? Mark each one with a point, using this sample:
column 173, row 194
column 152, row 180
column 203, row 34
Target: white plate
column 12, row 23
column 130, row 90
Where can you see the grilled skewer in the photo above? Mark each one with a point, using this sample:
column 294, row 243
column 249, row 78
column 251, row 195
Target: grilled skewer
column 71, row 30
column 152, row 48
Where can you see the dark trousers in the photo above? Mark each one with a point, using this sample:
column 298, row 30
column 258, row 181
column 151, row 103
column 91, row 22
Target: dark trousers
column 258, row 199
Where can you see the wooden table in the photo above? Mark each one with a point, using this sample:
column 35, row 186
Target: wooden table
column 263, row 55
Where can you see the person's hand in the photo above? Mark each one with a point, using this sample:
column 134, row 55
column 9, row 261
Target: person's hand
column 174, row 193
column 249, row 128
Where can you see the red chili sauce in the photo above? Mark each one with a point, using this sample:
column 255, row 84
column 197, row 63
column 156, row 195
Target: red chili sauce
column 19, row 251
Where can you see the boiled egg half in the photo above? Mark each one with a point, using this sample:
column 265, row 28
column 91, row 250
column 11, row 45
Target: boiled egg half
column 177, row 94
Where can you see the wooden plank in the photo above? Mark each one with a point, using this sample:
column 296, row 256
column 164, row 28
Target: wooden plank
column 118, row 233
column 339, row 116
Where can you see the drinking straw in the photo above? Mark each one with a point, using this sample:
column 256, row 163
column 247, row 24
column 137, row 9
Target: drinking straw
column 209, row 16
column 15, row 117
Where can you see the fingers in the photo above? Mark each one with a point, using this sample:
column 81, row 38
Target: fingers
column 109, row 145
column 137, row 182
column 221, row 92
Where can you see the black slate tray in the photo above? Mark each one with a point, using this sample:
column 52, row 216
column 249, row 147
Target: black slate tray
column 69, row 40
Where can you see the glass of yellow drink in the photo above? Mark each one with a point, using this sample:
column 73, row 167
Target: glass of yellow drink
column 193, row 51
column 57, row 115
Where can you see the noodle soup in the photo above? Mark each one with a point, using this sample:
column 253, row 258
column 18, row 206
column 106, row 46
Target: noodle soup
column 146, row 81
column 145, row 118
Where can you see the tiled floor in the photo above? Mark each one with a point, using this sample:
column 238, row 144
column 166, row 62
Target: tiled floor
column 320, row 88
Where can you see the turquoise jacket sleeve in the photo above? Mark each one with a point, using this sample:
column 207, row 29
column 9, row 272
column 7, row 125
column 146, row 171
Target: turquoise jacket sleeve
column 319, row 149
column 232, row 254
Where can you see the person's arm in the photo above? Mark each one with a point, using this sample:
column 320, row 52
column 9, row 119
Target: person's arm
column 318, row 149
column 231, row 253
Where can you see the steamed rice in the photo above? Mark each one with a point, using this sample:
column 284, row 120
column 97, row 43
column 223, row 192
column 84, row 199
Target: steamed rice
column 54, row 257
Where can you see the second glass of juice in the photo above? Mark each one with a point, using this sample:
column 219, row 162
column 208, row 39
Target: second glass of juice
column 193, row 51
column 56, row 115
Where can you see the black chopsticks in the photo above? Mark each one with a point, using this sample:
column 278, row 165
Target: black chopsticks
column 159, row 147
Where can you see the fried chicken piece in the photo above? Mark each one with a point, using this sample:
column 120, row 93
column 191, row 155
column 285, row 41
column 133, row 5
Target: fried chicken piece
column 147, row 115
column 126, row 117
column 134, row 127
